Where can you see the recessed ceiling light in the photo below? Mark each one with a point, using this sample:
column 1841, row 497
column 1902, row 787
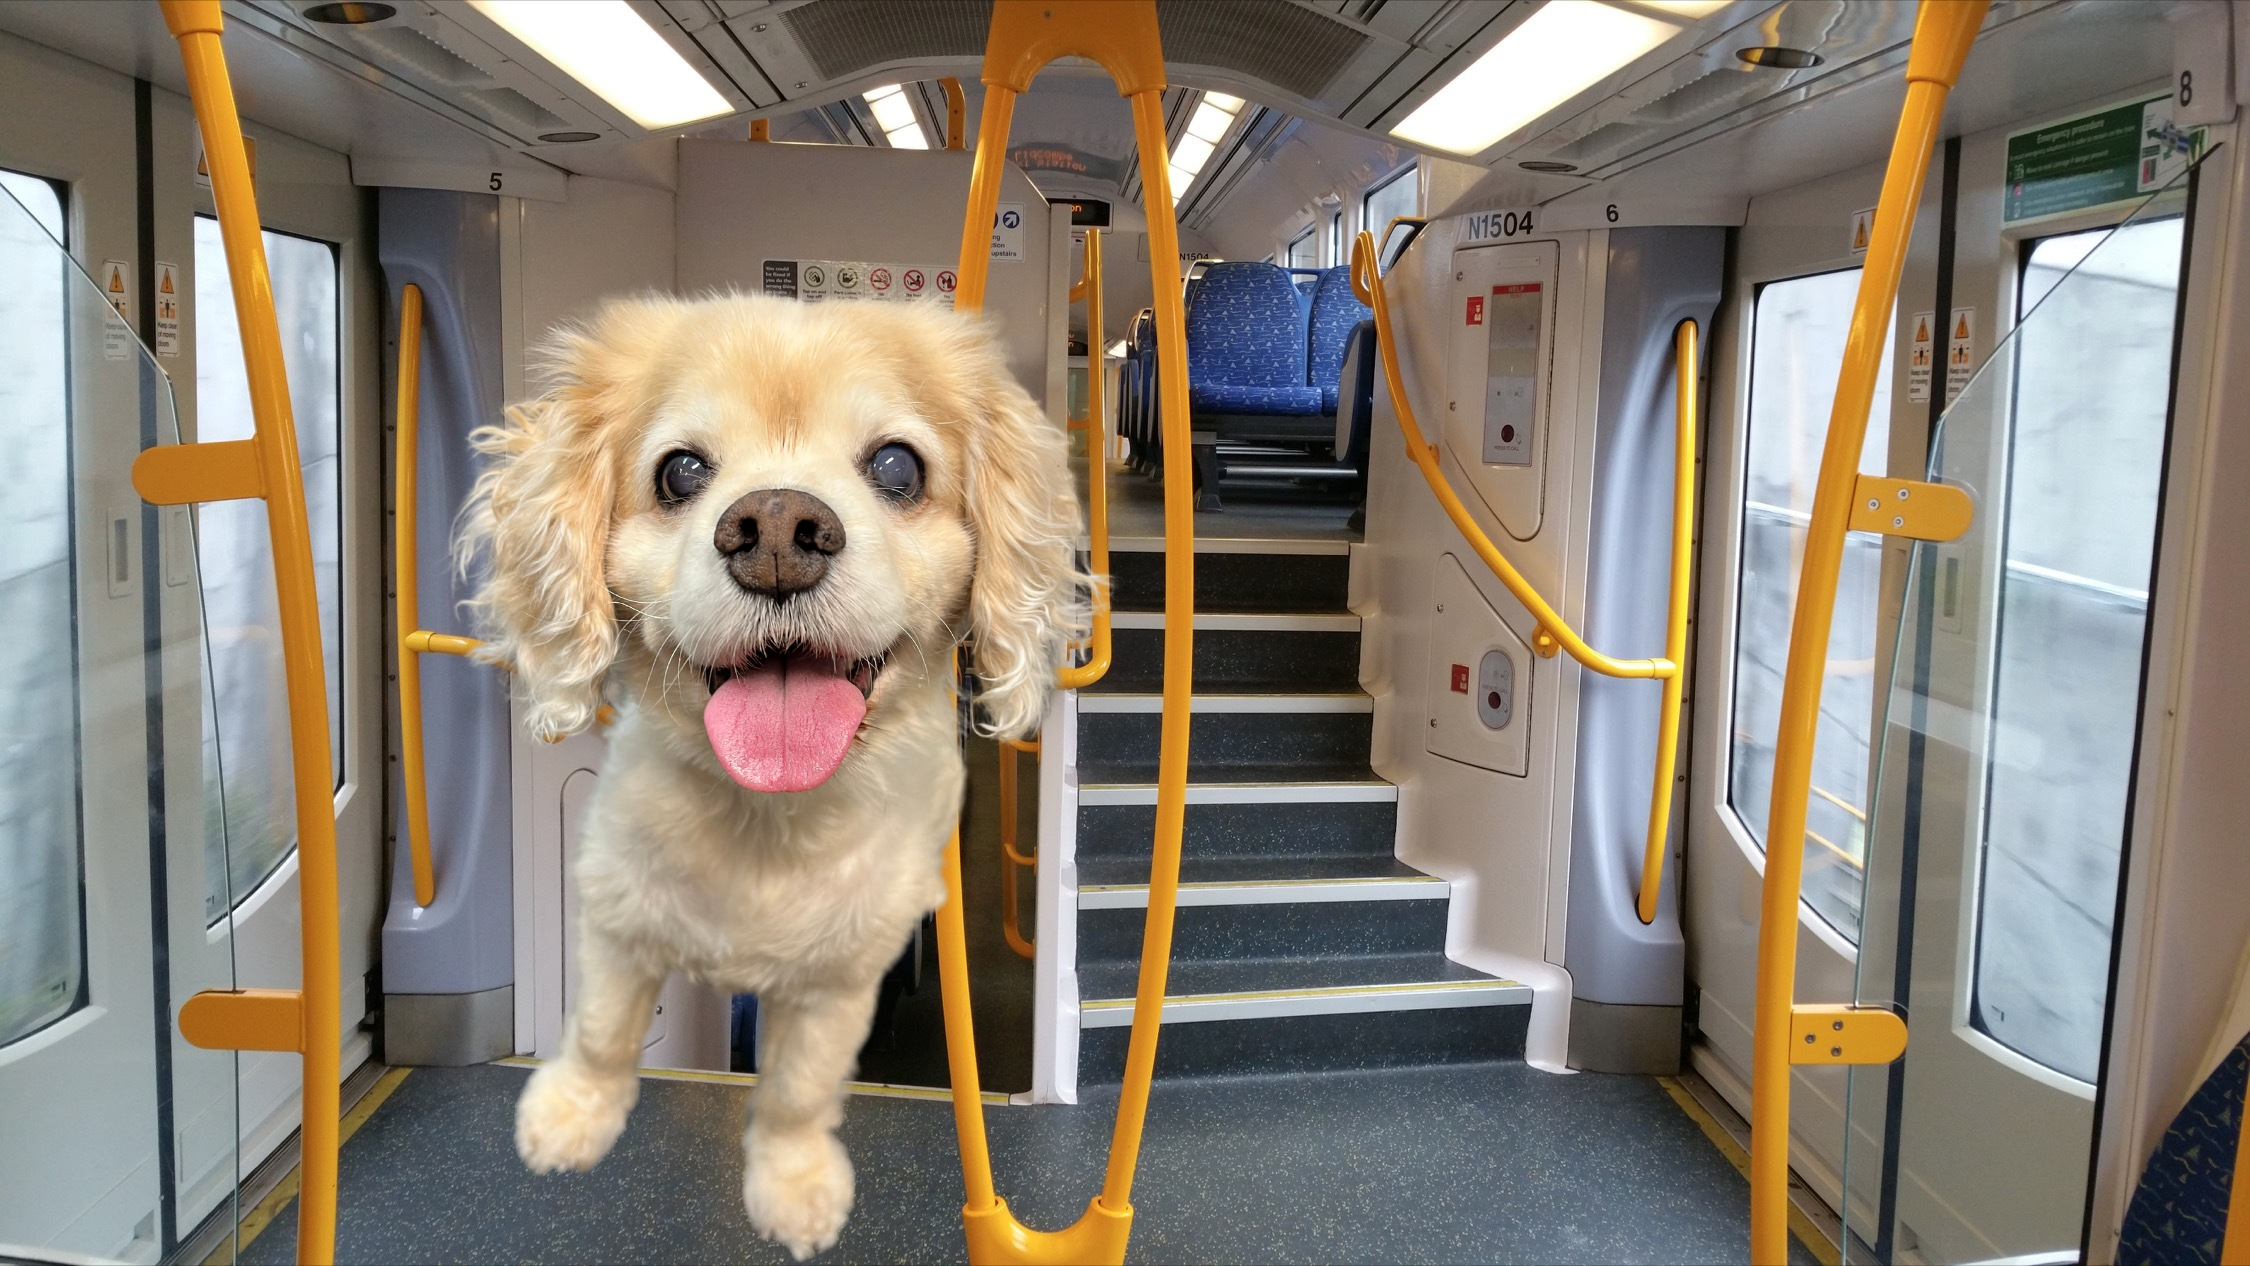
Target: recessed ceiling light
column 1223, row 101
column 350, row 13
column 1776, row 57
column 1213, row 116
column 1548, row 165
column 895, row 115
column 568, row 138
column 1556, row 53
column 1685, row 8
column 1209, row 122
column 611, row 49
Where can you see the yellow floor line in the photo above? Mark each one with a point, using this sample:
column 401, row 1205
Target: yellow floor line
column 262, row 1215
column 872, row 1089
column 1801, row 1226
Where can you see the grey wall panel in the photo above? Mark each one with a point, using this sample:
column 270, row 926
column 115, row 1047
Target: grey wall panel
column 1657, row 278
column 449, row 245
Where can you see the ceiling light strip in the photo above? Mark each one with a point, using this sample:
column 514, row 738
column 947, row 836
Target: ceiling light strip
column 613, row 51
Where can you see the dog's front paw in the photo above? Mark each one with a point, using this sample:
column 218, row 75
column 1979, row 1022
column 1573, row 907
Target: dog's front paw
column 568, row 1117
column 797, row 1187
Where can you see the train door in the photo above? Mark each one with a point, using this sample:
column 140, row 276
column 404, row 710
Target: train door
column 1774, row 365
column 143, row 838
column 2025, row 726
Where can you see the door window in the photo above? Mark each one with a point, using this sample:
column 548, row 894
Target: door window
column 42, row 845
column 1798, row 328
column 1398, row 195
column 2085, row 466
column 247, row 739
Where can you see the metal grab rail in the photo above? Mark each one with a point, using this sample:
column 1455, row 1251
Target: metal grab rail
column 1943, row 34
column 413, row 641
column 266, row 467
column 1122, row 38
column 1553, row 630
column 1011, row 923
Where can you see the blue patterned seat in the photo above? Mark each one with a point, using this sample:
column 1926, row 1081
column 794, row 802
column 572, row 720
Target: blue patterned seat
column 2178, row 1215
column 1335, row 311
column 1246, row 344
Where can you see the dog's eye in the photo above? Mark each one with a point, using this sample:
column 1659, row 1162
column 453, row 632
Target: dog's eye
column 682, row 475
column 896, row 471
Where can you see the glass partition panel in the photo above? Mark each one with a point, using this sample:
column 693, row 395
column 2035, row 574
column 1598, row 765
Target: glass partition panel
column 2008, row 735
column 117, row 1139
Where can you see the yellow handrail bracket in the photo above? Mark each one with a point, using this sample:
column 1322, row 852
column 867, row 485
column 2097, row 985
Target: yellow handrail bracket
column 1942, row 37
column 1122, row 38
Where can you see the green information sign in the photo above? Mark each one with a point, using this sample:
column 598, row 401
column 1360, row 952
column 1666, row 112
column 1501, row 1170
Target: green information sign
column 2111, row 156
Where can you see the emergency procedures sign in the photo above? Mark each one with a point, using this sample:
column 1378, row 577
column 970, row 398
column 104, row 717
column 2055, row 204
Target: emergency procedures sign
column 2110, row 156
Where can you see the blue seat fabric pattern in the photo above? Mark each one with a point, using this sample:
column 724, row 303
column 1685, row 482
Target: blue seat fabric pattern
column 2178, row 1216
column 1335, row 310
column 1246, row 344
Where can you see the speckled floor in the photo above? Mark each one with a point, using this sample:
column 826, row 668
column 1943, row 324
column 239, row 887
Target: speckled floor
column 1493, row 1162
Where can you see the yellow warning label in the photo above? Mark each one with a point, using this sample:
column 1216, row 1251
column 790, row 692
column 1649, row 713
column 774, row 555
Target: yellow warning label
column 1960, row 325
column 164, row 281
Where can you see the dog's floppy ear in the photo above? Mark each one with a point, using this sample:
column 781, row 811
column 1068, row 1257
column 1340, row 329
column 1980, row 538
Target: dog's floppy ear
column 1026, row 600
column 540, row 515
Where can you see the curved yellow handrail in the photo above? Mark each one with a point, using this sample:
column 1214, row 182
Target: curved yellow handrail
column 413, row 641
column 1553, row 630
column 956, row 113
column 266, row 466
column 1943, row 34
column 1089, row 288
column 1122, row 38
column 1011, row 922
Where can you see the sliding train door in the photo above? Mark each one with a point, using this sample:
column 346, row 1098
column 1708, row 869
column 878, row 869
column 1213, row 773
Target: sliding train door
column 146, row 842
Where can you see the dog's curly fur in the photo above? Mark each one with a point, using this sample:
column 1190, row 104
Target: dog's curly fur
column 591, row 585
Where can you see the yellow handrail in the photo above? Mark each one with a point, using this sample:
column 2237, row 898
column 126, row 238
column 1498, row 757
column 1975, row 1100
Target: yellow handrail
column 956, row 113
column 1089, row 287
column 413, row 641
column 266, row 466
column 1122, row 38
column 1553, row 631
column 1010, row 859
column 1942, row 37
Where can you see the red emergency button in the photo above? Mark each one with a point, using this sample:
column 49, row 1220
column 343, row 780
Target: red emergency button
column 1460, row 679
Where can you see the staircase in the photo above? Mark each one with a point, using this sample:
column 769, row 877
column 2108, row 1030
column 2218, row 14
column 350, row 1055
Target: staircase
column 1302, row 944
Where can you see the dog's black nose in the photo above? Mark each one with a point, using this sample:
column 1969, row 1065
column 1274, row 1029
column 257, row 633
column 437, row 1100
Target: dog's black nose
column 777, row 540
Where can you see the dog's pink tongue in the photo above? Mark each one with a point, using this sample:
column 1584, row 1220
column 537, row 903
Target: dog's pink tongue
column 786, row 725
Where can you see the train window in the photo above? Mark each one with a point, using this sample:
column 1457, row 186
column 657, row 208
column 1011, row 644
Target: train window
column 248, row 755
column 2091, row 387
column 1304, row 250
column 1399, row 194
column 42, row 841
column 1796, row 350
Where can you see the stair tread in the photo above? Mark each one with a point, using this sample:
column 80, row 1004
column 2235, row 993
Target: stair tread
column 1115, row 981
column 1133, row 872
column 1138, row 774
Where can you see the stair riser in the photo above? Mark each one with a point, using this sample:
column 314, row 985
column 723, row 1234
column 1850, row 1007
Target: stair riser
column 1278, row 831
column 1315, row 1043
column 1328, row 929
column 1280, row 740
column 1240, row 660
column 1237, row 582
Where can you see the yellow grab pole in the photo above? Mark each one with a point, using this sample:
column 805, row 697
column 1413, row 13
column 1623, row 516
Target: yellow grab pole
column 1096, row 666
column 267, row 466
column 408, row 582
column 1676, row 621
column 1010, row 858
column 1122, row 38
column 956, row 113
column 1942, row 37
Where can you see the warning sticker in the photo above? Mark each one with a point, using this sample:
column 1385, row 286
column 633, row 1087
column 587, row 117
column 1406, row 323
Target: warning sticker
column 1960, row 352
column 1007, row 232
column 167, row 309
column 1863, row 230
column 1921, row 356
column 828, row 280
column 116, row 281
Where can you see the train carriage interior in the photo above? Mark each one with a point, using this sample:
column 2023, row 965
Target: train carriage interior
column 1662, row 680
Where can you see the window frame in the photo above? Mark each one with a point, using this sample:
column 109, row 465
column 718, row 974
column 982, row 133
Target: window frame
column 83, row 996
column 1368, row 195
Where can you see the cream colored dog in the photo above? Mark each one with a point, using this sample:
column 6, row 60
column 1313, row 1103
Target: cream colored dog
column 763, row 526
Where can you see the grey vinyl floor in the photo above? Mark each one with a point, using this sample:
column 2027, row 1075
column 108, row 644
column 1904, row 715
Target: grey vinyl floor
column 1249, row 512
column 1488, row 1163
